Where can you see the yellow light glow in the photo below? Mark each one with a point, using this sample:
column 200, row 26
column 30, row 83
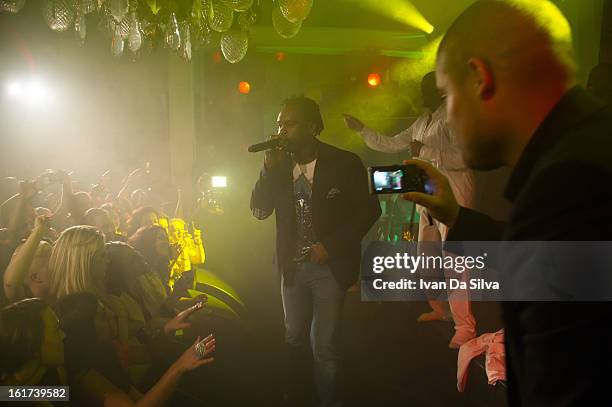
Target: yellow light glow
column 412, row 70
column 399, row 10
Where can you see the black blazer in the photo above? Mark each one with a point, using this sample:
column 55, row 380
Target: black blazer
column 343, row 209
column 557, row 353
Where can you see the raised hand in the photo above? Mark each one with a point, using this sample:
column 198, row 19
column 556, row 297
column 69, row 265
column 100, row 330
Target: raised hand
column 352, row 122
column 274, row 156
column 41, row 224
column 180, row 321
column 197, row 355
column 441, row 204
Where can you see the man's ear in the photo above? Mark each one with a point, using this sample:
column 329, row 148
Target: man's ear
column 313, row 129
column 484, row 83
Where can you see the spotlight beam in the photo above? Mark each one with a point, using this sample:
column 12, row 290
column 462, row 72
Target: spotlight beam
column 402, row 11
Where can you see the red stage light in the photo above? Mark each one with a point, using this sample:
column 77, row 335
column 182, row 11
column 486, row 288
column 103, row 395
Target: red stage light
column 217, row 57
column 244, row 87
column 281, row 56
column 374, row 80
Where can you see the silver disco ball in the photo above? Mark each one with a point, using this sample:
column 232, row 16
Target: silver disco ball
column 239, row 5
column 283, row 27
column 221, row 16
column 295, row 10
column 234, row 45
column 58, row 14
column 11, row 6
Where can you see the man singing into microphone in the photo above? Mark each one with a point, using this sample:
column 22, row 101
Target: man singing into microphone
column 323, row 209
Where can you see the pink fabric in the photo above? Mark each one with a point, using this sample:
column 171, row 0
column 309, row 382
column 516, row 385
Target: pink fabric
column 493, row 345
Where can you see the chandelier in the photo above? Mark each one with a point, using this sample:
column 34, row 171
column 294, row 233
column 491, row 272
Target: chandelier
column 178, row 25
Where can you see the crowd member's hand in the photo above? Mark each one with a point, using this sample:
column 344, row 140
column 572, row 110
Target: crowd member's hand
column 415, row 148
column 274, row 156
column 41, row 225
column 27, row 190
column 197, row 355
column 105, row 179
column 352, row 122
column 181, row 320
column 134, row 175
column 318, row 254
column 441, row 204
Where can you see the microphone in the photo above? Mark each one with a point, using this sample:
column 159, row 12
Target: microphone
column 269, row 145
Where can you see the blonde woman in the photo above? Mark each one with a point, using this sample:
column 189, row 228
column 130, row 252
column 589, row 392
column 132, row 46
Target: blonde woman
column 78, row 264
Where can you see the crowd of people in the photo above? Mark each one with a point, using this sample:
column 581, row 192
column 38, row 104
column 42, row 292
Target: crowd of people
column 95, row 289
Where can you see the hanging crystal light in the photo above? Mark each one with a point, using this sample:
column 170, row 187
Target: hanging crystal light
column 295, row 10
column 283, row 27
column 124, row 27
column 11, row 6
column 152, row 36
column 80, row 26
column 107, row 24
column 117, row 42
column 234, row 45
column 173, row 35
column 118, row 8
column 88, row 6
column 221, row 16
column 134, row 35
column 203, row 35
column 185, row 31
column 246, row 20
column 58, row 14
column 239, row 5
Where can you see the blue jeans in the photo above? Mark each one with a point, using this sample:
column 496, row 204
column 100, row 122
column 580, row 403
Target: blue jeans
column 315, row 292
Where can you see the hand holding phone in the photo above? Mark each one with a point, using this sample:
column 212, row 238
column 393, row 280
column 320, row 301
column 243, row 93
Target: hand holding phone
column 395, row 179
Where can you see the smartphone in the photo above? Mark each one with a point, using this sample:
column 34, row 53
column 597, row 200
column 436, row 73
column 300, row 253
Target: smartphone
column 395, row 179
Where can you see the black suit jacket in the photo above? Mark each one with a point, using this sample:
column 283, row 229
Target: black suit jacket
column 557, row 353
column 343, row 209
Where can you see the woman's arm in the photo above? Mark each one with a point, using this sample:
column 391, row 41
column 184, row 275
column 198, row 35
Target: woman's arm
column 95, row 386
column 21, row 261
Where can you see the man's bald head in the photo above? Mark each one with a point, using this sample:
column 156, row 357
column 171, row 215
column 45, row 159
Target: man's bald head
column 509, row 34
column 503, row 65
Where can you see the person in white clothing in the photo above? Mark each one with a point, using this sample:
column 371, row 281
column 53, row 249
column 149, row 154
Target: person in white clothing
column 429, row 138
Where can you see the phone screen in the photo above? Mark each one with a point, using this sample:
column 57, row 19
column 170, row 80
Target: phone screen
column 396, row 179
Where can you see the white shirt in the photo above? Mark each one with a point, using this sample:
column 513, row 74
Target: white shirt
column 440, row 146
column 306, row 169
